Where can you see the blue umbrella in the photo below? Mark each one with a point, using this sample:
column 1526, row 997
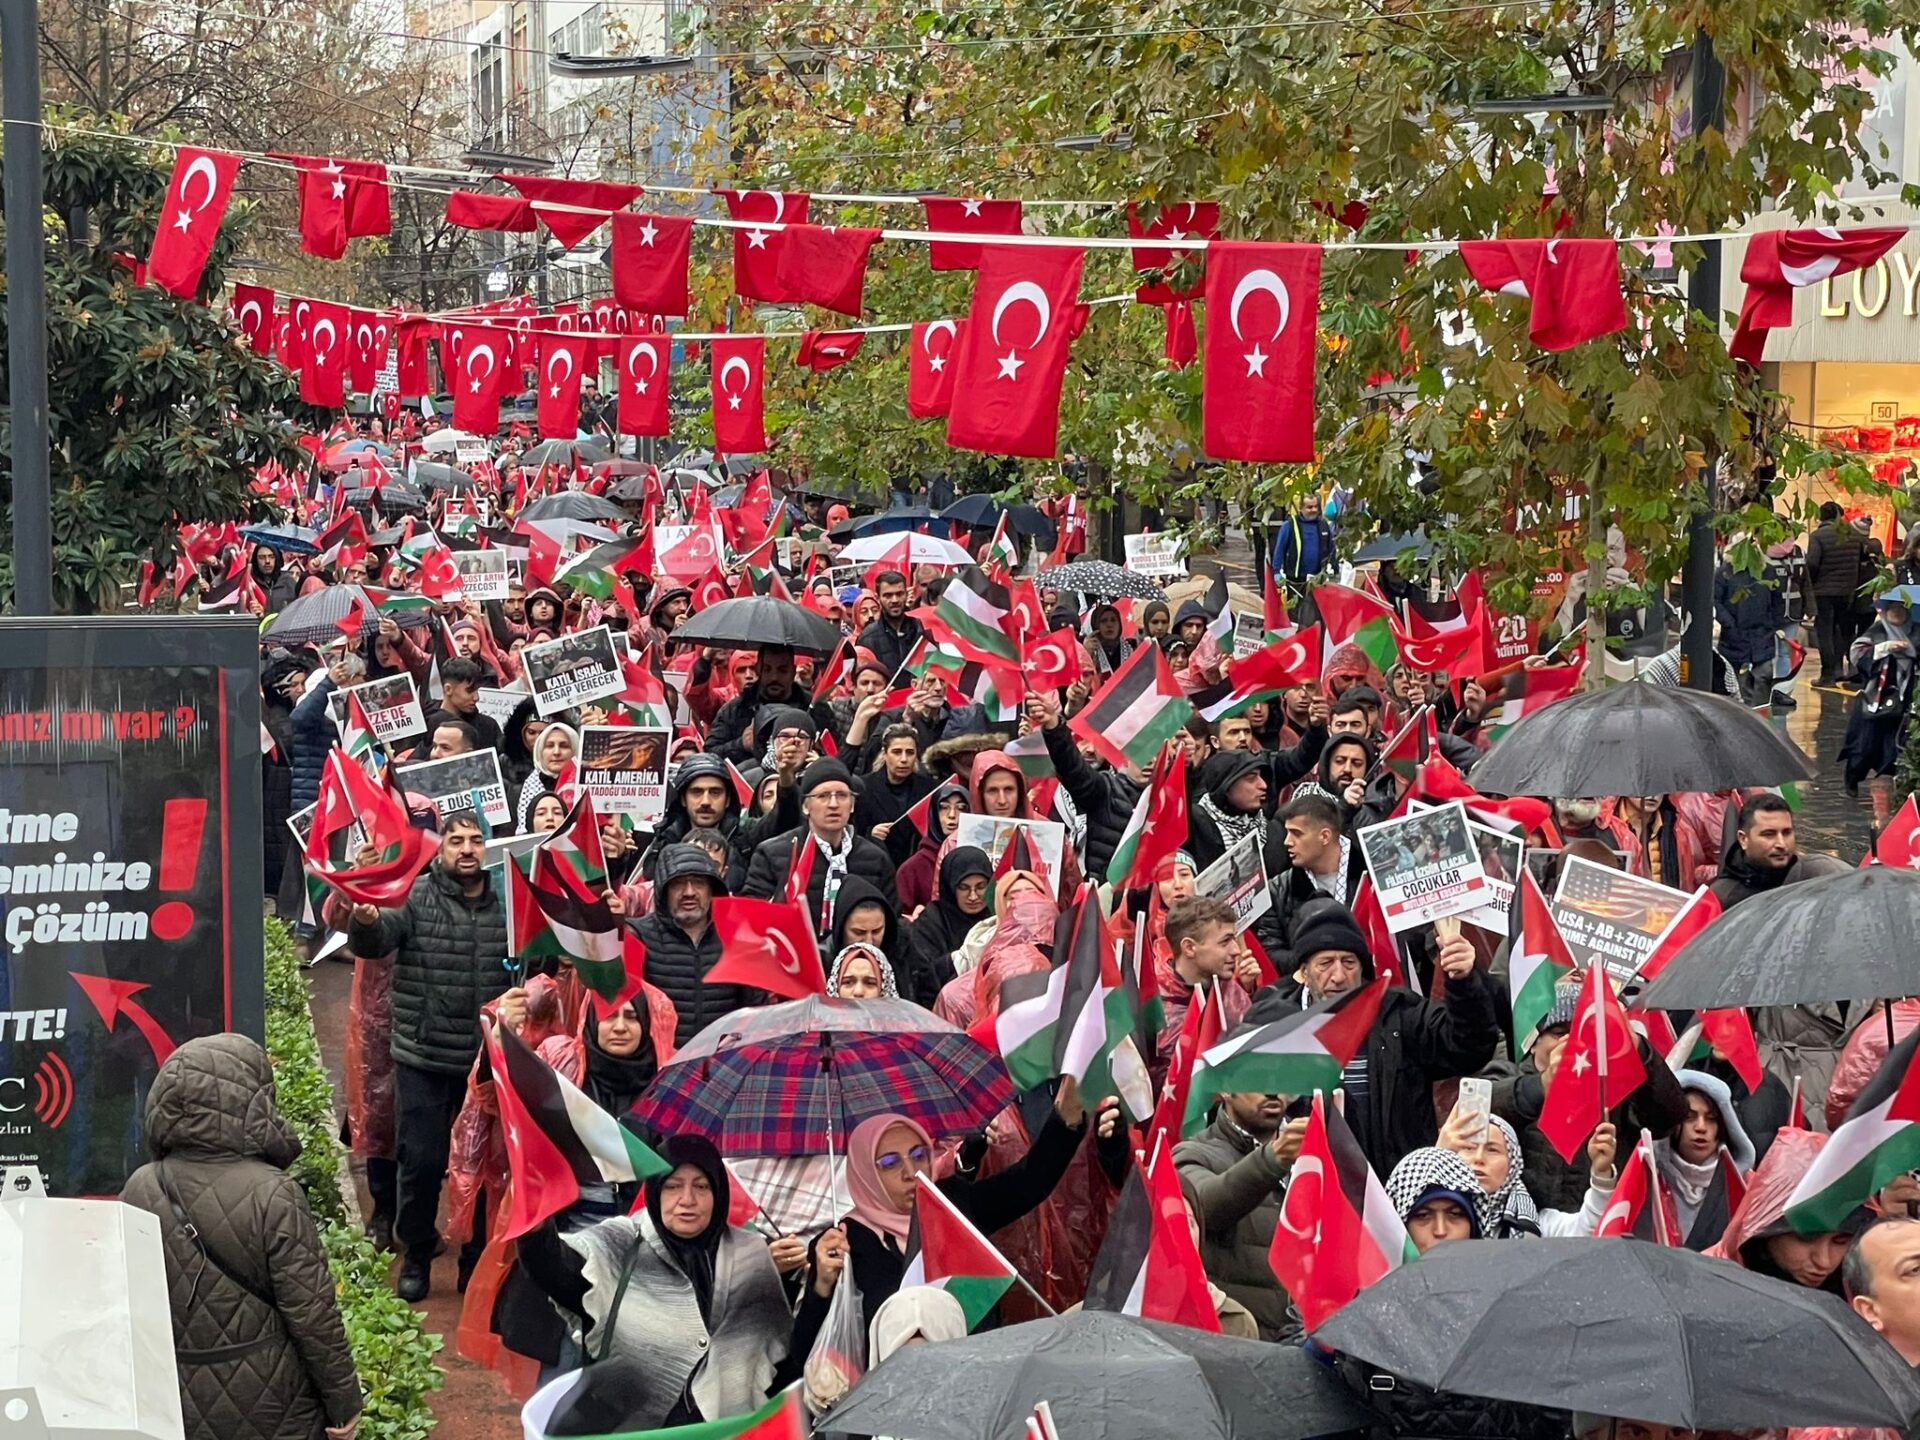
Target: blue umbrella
column 980, row 511
column 1907, row 595
column 292, row 539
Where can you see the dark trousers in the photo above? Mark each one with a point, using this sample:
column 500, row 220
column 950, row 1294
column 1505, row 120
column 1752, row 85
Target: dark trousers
column 383, row 1185
column 1832, row 633
column 426, row 1103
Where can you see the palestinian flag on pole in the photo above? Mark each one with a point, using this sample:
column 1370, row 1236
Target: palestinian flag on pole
column 1200, row 1031
column 1338, row 1232
column 1003, row 553
column 945, row 1251
column 1148, row 1264
column 1069, row 1019
column 394, row 604
column 972, row 617
column 556, row 1407
column 1541, row 960
column 1157, row 827
column 576, row 915
column 1139, row 709
column 558, row 1140
column 357, row 738
column 596, row 572
column 1029, row 753
column 1531, row 690
column 1263, row 675
column 1219, row 607
column 1357, row 618
column 1295, row 1056
column 1879, row 1139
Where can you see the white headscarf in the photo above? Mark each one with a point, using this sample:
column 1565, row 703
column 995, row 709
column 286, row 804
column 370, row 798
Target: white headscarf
column 924, row 1311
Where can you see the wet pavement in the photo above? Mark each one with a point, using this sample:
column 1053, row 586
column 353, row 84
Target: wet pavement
column 1829, row 821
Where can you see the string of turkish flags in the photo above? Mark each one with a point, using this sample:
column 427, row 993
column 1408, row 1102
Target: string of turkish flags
column 996, row 378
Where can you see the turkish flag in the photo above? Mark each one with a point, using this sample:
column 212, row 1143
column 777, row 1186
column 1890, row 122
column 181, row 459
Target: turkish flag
column 1599, row 1067
column 483, row 352
column 588, row 202
column 966, row 217
column 1025, row 614
column 1574, row 285
column 410, row 366
column 190, row 218
column 1190, row 220
column 1181, row 344
column 828, row 349
column 1013, row 353
column 369, row 209
column 1778, row 262
column 930, row 352
column 323, row 379
column 1899, row 843
column 1256, row 385
column 756, row 253
column 1054, row 661
column 643, row 384
column 366, row 348
column 825, row 265
column 1280, row 665
column 766, row 945
column 562, row 358
column 471, row 210
column 649, row 258
column 439, row 576
column 339, row 199
column 739, row 420
column 299, row 312
column 253, row 308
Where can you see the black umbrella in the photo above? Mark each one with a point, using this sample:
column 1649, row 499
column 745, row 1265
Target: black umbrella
column 563, row 452
column 1390, row 547
column 1027, row 520
column 435, row 476
column 1638, row 739
column 628, row 487
column 756, row 620
column 1114, row 1377
column 1099, row 577
column 1626, row 1329
column 573, row 505
column 393, row 497
column 906, row 517
column 1841, row 937
column 315, row 619
column 980, row 511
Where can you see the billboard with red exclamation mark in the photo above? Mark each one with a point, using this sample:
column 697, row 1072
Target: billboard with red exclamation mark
column 130, row 874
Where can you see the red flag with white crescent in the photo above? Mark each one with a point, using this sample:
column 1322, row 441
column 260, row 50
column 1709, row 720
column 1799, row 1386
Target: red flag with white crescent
column 253, row 308
column 197, row 194
column 643, row 361
column 930, row 355
column 739, row 365
column 562, row 360
column 756, row 252
column 1012, row 358
column 323, row 379
column 1256, row 388
column 766, row 945
column 484, row 353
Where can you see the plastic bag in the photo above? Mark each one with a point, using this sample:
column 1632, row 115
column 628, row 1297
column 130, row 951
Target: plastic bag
column 839, row 1355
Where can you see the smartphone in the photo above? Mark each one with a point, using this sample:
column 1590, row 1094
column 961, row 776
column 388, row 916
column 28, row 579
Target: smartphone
column 1476, row 1104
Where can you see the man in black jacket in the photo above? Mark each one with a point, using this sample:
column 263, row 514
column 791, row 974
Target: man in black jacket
column 1837, row 566
column 1414, row 1043
column 734, row 734
column 826, row 799
column 460, row 700
column 448, row 941
column 891, row 636
column 701, row 795
column 1765, row 854
column 681, row 943
column 1322, row 860
column 893, row 787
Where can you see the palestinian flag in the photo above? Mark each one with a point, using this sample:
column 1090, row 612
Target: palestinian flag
column 996, row 688
column 556, row 1407
column 1357, row 618
column 1069, row 1019
column 596, row 572
column 1531, row 690
column 972, row 617
column 349, row 797
column 1401, row 754
column 1157, row 827
column 1148, row 1264
column 1541, row 960
column 945, row 1251
column 1338, row 1232
column 1878, row 1140
column 576, row 914
column 1220, row 617
column 395, row 604
column 1029, row 752
column 357, row 737
column 1003, row 553
column 1199, row 1032
column 236, row 592
column 557, row 1139
column 1140, row 709
column 1295, row 1056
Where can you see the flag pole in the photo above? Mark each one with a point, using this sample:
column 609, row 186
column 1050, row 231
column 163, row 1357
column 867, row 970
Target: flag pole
column 1601, row 999
column 1412, row 720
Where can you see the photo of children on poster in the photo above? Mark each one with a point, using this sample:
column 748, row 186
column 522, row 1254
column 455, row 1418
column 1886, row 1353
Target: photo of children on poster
column 1424, row 866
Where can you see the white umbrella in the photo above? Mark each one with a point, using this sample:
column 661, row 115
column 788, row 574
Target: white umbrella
column 921, row 549
column 448, row 440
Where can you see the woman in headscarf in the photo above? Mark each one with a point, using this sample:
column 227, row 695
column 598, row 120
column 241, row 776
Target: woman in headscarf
column 884, row 1155
column 682, row 1314
column 1107, row 649
column 918, row 874
column 1024, row 916
column 558, row 743
column 943, row 926
column 861, row 972
column 1507, row 1211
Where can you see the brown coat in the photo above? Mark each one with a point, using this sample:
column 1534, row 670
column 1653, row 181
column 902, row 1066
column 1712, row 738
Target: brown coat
column 249, row 1370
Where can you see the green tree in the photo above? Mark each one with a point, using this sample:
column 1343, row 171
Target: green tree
column 157, row 409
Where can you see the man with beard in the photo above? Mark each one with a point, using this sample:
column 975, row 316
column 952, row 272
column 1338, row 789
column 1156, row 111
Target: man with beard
column 732, row 735
column 891, row 636
column 701, row 797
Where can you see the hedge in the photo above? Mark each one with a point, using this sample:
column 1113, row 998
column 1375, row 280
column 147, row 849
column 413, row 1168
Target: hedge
column 391, row 1350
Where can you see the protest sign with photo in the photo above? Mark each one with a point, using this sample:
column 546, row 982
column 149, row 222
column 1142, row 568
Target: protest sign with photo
column 1155, row 553
column 483, row 573
column 1249, row 633
column 1424, row 866
column 573, row 668
column 624, row 769
column 462, row 782
column 469, row 450
column 1501, row 856
column 1610, row 916
column 1239, row 878
column 1046, row 838
column 392, row 705
column 499, row 705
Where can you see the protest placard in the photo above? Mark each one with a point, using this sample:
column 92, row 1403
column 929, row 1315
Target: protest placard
column 1239, row 879
column 1046, row 838
column 499, row 705
column 1610, row 916
column 462, row 782
column 392, row 705
column 1501, row 856
column 1249, row 633
column 483, row 573
column 624, row 769
column 573, row 668
column 1155, row 553
column 1424, row 866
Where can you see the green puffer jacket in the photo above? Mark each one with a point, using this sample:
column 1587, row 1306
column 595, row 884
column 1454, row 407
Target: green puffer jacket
column 1237, row 1187
column 448, row 951
column 256, row 1328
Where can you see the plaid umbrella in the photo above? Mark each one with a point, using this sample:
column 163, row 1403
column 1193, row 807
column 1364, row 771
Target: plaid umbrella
column 775, row 1080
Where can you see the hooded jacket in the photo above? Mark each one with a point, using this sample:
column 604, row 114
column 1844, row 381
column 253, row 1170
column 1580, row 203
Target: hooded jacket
column 675, row 824
column 677, row 965
column 250, row 1368
column 985, row 764
column 1207, row 838
column 726, row 737
column 1762, row 1214
column 858, row 891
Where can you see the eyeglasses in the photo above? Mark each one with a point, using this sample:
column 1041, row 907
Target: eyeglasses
column 890, row 1162
column 832, row 797
column 792, row 735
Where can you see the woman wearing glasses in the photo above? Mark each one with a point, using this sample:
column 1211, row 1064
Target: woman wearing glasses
column 884, row 1156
